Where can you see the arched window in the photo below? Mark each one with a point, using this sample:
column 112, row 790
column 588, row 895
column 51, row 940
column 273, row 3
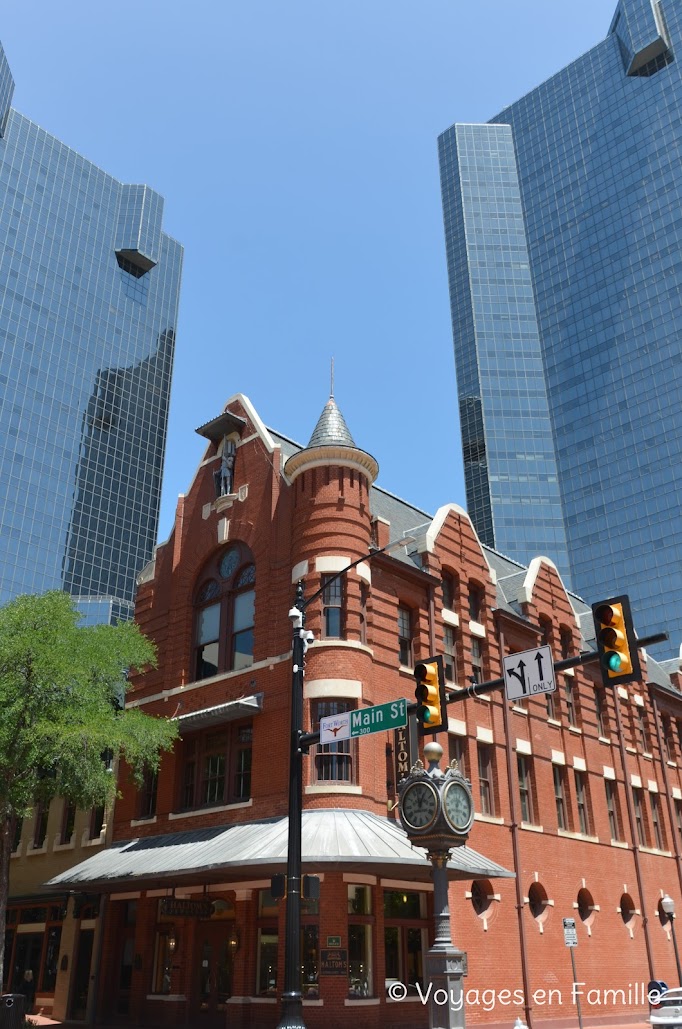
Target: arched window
column 225, row 609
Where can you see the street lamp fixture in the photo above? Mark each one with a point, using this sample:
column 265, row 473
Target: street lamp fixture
column 292, row 1005
column 668, row 906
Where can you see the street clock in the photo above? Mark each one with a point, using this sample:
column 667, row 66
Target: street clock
column 436, row 809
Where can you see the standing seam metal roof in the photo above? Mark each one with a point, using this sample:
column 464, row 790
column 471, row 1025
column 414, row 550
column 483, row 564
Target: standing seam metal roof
column 335, row 838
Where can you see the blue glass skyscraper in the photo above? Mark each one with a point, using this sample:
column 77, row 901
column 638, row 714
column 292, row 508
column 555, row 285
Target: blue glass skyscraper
column 565, row 213
column 89, row 290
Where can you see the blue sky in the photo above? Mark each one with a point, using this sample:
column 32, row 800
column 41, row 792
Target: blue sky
column 295, row 144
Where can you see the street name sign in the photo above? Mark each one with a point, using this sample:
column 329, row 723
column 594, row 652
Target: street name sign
column 570, row 934
column 350, row 724
column 528, row 673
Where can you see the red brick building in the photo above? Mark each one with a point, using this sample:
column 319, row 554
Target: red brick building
column 578, row 792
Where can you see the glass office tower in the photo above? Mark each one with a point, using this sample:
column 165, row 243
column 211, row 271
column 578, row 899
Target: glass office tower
column 598, row 151
column 89, row 289
column 510, row 468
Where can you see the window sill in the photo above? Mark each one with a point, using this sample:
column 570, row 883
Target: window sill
column 575, row 729
column 208, row 810
column 630, row 750
column 519, row 709
column 531, row 827
column 172, row 997
column 671, row 764
column 647, row 756
column 620, row 844
column 555, row 722
column 70, row 845
column 492, row 819
column 134, row 822
column 351, row 1002
column 566, row 834
column 604, row 739
column 655, row 850
column 334, row 788
column 97, row 841
column 32, row 851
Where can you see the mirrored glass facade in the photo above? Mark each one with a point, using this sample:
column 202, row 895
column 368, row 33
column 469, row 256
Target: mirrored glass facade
column 89, row 289
column 597, row 153
column 510, row 468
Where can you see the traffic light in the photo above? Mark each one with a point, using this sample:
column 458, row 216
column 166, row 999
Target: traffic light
column 430, row 693
column 616, row 641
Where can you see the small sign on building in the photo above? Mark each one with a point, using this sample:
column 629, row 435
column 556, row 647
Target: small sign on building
column 334, row 962
column 570, row 933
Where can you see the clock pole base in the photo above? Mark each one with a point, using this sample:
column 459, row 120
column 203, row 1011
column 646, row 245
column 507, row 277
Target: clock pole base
column 445, row 969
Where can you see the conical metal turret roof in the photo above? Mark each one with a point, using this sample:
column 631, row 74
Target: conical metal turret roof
column 331, row 429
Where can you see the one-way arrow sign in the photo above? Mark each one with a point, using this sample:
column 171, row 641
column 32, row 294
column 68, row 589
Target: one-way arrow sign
column 527, row 673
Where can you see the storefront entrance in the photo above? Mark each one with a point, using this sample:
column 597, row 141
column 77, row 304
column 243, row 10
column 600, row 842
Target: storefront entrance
column 214, row 972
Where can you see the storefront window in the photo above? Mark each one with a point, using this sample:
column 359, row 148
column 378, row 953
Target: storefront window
column 54, row 935
column 360, row 928
column 266, row 969
column 401, row 904
column 360, row 960
column 267, row 905
column 163, row 963
column 359, row 900
column 405, row 937
column 309, row 962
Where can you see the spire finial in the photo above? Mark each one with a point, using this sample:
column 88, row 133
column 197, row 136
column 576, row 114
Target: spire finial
column 331, row 385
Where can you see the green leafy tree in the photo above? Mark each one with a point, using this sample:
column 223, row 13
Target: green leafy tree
column 61, row 692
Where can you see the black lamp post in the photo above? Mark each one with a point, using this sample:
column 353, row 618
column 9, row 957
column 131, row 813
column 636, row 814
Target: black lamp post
column 292, row 1003
column 668, row 905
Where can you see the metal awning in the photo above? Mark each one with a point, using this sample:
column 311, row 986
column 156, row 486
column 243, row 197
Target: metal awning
column 347, row 840
column 221, row 426
column 221, row 713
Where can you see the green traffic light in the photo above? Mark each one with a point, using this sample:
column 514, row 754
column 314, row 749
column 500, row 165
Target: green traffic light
column 613, row 662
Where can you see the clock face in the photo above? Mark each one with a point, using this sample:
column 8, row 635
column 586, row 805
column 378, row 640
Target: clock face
column 419, row 805
column 457, row 806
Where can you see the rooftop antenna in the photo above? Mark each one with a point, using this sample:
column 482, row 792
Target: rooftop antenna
column 331, row 390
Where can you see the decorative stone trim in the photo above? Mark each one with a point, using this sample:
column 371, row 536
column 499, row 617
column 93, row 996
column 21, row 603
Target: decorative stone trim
column 344, row 689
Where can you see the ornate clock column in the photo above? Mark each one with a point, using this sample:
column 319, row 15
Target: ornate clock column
column 437, row 812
